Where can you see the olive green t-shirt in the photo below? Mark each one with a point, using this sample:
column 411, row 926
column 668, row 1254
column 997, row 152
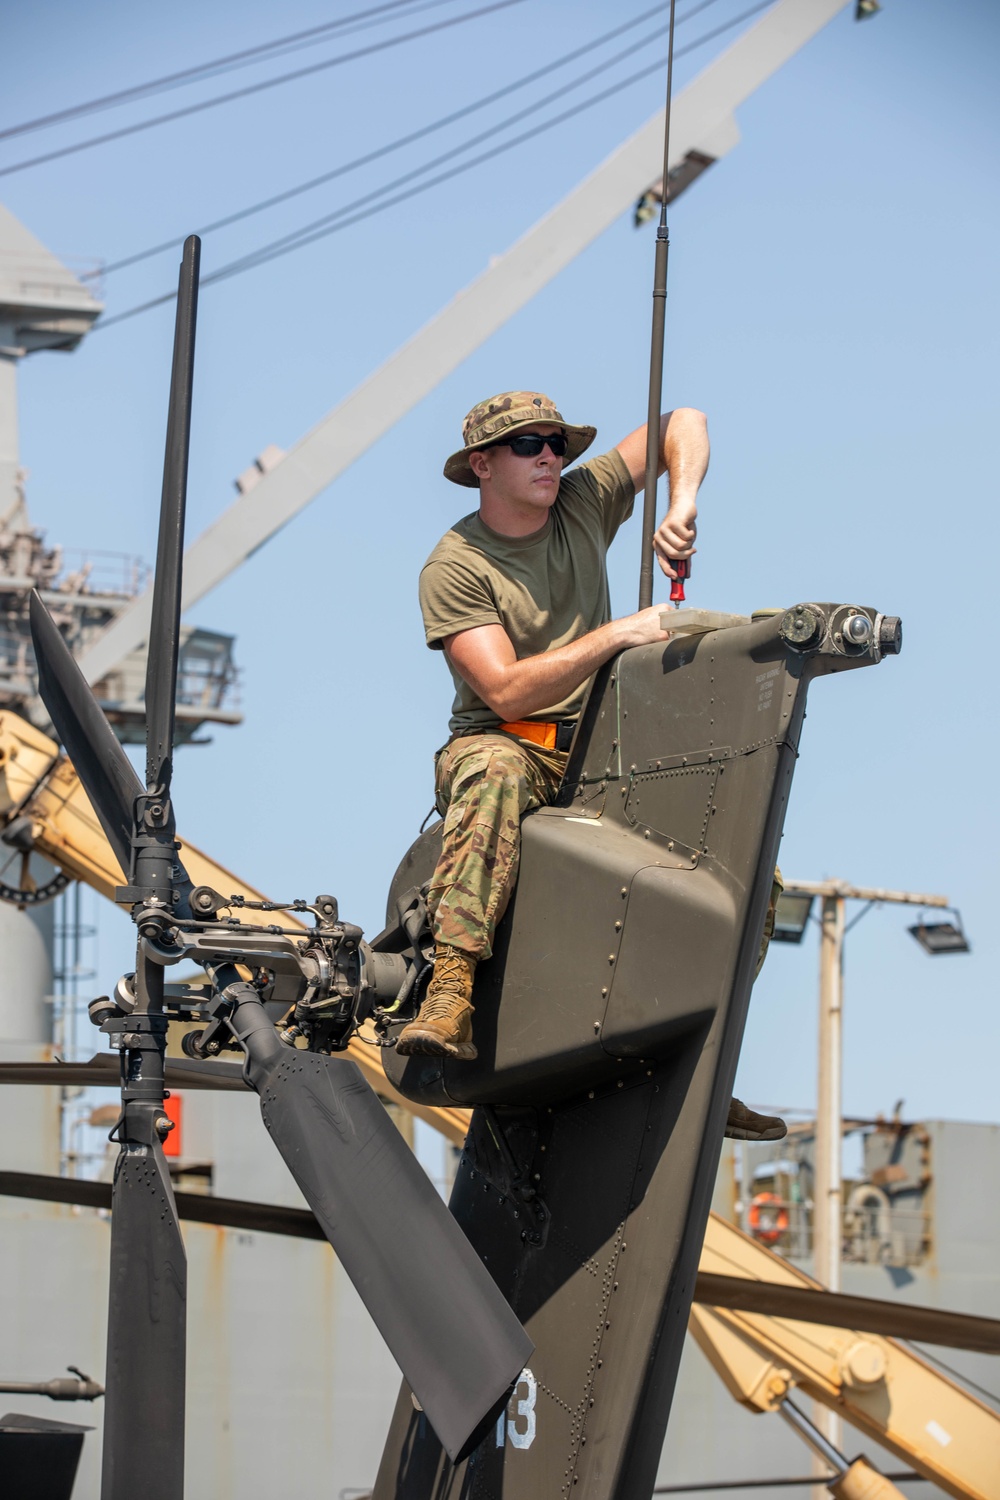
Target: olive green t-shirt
column 545, row 589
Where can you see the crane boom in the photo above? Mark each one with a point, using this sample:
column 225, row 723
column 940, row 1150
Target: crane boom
column 880, row 1385
column 702, row 122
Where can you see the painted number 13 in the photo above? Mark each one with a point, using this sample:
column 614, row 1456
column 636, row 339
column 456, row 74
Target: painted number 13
column 517, row 1423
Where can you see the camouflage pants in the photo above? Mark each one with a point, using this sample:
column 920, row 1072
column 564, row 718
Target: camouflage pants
column 777, row 886
column 485, row 783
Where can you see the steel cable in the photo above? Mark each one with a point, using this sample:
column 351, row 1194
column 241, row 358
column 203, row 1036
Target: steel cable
column 357, row 211
column 361, row 20
column 256, row 88
column 396, row 145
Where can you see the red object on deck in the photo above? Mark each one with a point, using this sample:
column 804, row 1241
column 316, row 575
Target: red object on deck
column 173, row 1108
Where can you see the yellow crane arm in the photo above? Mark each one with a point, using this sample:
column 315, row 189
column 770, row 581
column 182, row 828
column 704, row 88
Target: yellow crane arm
column 39, row 783
column 880, row 1385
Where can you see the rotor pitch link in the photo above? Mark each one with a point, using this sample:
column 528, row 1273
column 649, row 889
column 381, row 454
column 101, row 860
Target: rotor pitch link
column 329, row 979
column 206, row 901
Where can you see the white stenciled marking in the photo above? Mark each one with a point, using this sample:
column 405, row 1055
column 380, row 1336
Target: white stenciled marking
column 938, row 1433
column 521, row 1412
column 766, row 681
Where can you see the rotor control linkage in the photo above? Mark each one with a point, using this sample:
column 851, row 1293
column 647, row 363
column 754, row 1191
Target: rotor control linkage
column 206, row 901
column 328, row 978
column 211, row 1041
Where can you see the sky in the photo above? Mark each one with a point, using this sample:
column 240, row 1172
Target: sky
column 833, row 309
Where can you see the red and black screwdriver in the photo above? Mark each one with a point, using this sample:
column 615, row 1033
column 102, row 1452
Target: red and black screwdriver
column 682, row 567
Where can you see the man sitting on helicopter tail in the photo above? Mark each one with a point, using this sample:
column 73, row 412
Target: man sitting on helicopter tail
column 516, row 595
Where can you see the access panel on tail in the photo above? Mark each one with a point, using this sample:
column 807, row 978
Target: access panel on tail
column 608, row 1025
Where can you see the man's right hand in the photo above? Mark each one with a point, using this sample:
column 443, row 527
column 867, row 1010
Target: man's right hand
column 642, row 629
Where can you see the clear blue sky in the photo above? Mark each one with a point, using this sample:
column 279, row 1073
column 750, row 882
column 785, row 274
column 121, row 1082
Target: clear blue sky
column 833, row 307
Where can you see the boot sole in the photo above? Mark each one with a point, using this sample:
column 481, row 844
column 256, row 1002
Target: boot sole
column 426, row 1044
column 744, row 1133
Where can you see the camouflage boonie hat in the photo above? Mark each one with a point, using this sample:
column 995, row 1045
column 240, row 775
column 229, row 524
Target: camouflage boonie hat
column 506, row 413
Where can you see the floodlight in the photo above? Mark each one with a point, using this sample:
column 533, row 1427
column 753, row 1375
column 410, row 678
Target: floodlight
column 791, row 917
column 647, row 208
column 941, row 937
column 865, row 9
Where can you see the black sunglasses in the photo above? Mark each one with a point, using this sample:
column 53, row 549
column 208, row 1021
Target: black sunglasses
column 530, row 444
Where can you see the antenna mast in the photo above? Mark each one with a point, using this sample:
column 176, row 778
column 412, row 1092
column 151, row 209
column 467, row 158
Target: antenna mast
column 656, row 355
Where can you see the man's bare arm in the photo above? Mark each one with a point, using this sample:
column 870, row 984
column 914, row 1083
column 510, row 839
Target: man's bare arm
column 684, row 453
column 485, row 658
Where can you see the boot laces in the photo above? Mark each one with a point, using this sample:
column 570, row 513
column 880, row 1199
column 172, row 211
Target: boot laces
column 451, row 969
column 442, row 1007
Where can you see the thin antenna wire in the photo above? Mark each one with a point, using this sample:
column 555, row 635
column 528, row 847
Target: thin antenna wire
column 656, row 353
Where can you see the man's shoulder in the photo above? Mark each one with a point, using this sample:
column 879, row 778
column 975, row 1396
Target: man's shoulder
column 458, row 542
column 596, row 497
column 605, row 474
column 456, row 585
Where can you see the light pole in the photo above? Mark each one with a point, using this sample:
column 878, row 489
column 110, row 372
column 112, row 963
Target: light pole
column 792, row 916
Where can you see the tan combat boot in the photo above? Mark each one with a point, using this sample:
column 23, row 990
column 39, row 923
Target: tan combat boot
column 443, row 1025
column 745, row 1124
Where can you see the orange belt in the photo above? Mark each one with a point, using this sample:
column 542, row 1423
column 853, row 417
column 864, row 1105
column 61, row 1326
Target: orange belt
column 538, row 733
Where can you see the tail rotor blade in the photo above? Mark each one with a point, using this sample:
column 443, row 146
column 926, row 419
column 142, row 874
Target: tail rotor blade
column 164, row 633
column 144, row 1407
column 103, row 767
column 449, row 1328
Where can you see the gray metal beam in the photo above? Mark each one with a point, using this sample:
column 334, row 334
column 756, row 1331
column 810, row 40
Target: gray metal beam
column 702, row 121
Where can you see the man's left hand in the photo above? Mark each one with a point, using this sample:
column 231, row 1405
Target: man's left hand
column 674, row 537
